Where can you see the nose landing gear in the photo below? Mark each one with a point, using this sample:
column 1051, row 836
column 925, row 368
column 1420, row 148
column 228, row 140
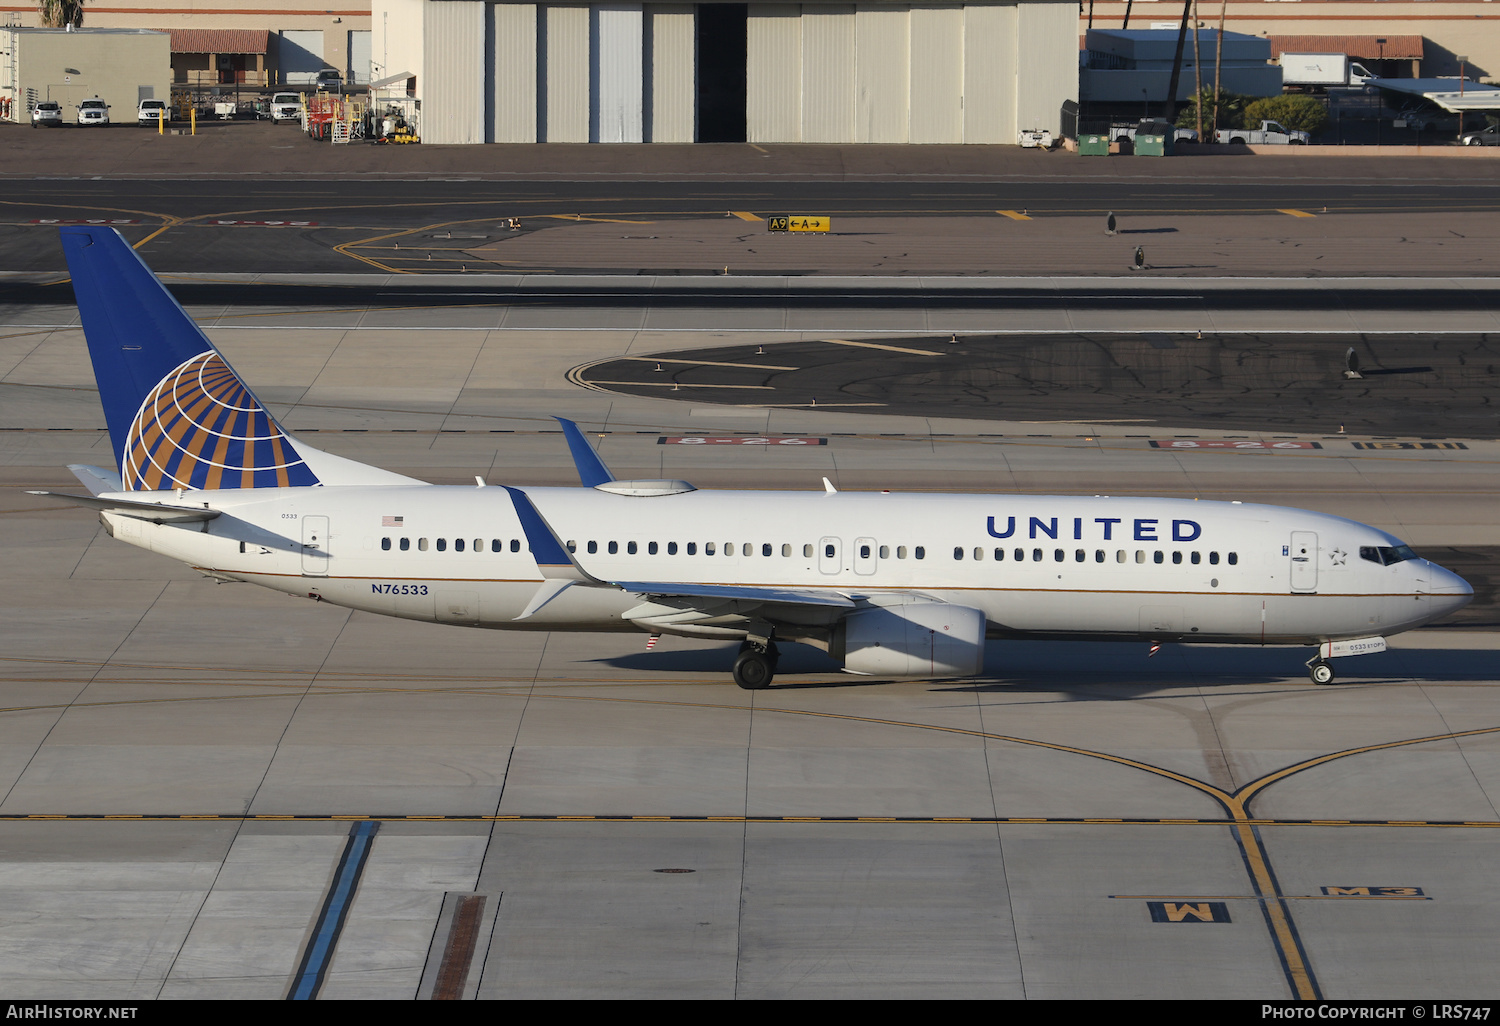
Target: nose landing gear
column 1321, row 672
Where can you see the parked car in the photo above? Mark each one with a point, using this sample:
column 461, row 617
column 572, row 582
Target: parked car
column 48, row 113
column 329, row 79
column 1484, row 137
column 93, row 112
column 151, row 112
column 286, row 107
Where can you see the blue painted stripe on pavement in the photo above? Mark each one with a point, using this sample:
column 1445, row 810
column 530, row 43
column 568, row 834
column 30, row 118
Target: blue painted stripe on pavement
column 335, row 910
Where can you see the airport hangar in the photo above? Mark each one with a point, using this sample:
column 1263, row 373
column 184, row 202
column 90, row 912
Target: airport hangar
column 815, row 72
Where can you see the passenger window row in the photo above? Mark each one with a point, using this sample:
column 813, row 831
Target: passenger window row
column 459, row 545
column 1100, row 556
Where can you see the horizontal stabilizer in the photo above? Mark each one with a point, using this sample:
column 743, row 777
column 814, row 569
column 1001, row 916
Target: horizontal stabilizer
column 97, row 479
column 743, row 593
column 156, row 512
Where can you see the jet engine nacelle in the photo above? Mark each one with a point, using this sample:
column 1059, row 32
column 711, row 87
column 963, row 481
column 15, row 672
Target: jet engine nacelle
column 916, row 639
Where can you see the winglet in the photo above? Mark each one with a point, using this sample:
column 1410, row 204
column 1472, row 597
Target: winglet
column 591, row 469
column 552, row 557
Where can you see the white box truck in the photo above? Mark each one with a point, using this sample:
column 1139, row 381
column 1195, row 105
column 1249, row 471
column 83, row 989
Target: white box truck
column 1322, row 69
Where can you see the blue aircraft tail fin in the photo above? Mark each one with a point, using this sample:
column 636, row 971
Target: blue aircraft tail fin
column 178, row 414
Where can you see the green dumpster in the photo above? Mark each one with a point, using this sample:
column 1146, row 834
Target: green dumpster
column 1154, row 139
column 1093, row 145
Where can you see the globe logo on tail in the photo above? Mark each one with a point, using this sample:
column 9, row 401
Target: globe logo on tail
column 201, row 428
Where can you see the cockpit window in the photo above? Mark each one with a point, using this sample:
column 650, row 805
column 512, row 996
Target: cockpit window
column 1386, row 555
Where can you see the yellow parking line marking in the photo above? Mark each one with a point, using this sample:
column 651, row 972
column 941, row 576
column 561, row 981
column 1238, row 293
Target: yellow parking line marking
column 1014, row 215
column 877, row 345
column 1295, row 213
column 745, row 215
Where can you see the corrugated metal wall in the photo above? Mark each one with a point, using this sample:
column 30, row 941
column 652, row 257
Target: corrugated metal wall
column 1042, row 81
column 773, row 69
column 615, row 113
column 990, row 42
column 453, row 101
column 937, row 74
column 827, row 73
column 670, row 72
column 396, row 35
column 565, row 76
column 882, row 73
column 513, row 75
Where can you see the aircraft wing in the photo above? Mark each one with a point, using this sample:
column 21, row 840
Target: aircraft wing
column 738, row 592
column 155, row 512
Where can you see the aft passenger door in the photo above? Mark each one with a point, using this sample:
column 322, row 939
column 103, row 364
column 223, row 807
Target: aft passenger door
column 1304, row 555
column 314, row 546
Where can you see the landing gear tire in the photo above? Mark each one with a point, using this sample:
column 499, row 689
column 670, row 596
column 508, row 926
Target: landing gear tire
column 1320, row 672
column 753, row 670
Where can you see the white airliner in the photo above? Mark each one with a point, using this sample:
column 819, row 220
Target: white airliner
column 887, row 584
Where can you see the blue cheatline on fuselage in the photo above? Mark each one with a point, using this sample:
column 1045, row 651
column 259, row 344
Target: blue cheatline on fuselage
column 178, row 415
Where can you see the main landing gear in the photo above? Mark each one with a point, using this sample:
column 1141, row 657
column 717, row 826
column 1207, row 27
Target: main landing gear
column 1321, row 672
column 756, row 665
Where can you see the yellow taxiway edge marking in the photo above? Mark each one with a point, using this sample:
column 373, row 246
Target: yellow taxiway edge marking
column 601, row 220
column 709, row 363
column 1295, row 213
column 1261, row 897
column 678, row 384
column 877, row 345
column 1014, row 215
column 745, row 215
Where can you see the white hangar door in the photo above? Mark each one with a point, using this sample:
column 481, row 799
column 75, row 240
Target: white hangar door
column 299, row 54
column 358, row 72
column 618, row 41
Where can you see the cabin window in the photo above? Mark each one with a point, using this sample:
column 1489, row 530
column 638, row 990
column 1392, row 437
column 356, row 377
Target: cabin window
column 1177, row 557
column 1098, row 555
column 1058, row 555
column 515, row 546
column 1079, row 556
column 421, row 544
column 1020, row 555
column 807, row 552
column 630, row 548
column 958, row 552
column 1036, row 555
column 671, row 548
column 786, row 549
column 765, row 549
column 692, row 548
column 405, row 544
column 1157, row 557
column 900, row 551
column 385, row 545
column 1234, row 558
column 570, row 545
column 614, row 548
column 1213, row 559
column 828, row 551
column 442, row 544
column 999, row 555
column 729, row 549
column 1119, row 555
column 1197, row 558
column 709, row 549
column 651, row 548
column 1140, row 555
column 920, row 552
column 864, row 552
column 885, row 552
column 496, row 545
column 478, row 544
column 458, row 544
column 593, row 547
column 978, row 553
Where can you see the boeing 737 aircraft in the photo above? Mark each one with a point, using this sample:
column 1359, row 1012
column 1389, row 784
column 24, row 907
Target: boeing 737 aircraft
column 887, row 584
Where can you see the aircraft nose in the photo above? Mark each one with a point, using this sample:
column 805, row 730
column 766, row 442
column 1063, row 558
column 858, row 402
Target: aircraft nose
column 1450, row 592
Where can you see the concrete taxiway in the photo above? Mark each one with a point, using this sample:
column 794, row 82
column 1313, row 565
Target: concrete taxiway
column 211, row 791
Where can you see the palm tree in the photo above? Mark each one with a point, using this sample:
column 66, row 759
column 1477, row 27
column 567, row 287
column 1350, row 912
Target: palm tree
column 61, row 13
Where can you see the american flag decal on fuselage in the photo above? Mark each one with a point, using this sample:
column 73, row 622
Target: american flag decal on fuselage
column 202, row 428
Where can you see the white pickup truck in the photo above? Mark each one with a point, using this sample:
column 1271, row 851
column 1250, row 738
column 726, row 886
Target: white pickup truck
column 1269, row 132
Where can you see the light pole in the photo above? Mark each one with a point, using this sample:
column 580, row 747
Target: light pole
column 1462, row 60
